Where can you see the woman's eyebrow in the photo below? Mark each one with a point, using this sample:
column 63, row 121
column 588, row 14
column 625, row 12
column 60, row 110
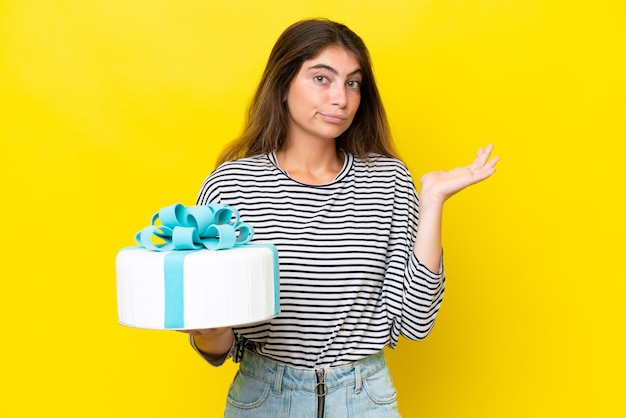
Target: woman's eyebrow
column 332, row 70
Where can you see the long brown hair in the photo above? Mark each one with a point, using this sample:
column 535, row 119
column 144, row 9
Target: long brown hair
column 265, row 129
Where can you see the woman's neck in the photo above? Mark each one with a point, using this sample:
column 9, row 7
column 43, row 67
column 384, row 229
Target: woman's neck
column 311, row 164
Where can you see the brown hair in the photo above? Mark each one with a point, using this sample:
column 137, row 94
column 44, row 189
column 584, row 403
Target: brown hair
column 266, row 126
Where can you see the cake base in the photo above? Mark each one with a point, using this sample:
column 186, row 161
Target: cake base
column 182, row 290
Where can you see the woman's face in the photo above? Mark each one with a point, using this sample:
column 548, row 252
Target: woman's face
column 324, row 96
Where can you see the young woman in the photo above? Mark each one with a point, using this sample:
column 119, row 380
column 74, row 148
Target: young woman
column 315, row 173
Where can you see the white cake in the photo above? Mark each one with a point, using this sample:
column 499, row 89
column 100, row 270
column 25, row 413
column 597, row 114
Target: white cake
column 213, row 289
column 201, row 273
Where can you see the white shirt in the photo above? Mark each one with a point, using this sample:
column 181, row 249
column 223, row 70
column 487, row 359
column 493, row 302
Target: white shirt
column 350, row 283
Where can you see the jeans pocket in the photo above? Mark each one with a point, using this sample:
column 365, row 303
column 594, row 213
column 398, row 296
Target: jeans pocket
column 247, row 391
column 379, row 387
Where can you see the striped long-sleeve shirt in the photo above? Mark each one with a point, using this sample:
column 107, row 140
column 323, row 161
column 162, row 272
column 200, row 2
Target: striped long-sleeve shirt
column 350, row 283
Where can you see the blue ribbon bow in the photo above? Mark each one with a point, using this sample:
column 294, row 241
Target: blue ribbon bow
column 213, row 226
column 183, row 230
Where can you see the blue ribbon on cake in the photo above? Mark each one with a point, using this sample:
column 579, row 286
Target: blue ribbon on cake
column 213, row 226
column 189, row 228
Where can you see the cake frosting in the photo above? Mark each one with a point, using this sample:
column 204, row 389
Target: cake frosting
column 203, row 272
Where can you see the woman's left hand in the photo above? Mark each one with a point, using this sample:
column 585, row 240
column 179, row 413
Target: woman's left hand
column 441, row 185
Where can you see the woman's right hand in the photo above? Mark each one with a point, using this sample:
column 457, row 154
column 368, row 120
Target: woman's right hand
column 215, row 342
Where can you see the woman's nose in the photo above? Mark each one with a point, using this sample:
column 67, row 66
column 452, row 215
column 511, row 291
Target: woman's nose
column 339, row 95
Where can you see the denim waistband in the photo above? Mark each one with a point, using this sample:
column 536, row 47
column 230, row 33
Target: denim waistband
column 284, row 376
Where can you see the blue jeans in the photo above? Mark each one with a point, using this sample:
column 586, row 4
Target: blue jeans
column 265, row 388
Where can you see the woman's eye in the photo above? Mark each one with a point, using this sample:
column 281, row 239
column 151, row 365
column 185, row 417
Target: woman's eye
column 353, row 84
column 321, row 79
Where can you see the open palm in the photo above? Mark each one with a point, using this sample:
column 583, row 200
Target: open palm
column 441, row 185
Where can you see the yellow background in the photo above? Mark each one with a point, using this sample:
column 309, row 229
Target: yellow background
column 110, row 110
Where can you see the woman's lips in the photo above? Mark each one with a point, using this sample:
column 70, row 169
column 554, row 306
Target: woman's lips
column 331, row 118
